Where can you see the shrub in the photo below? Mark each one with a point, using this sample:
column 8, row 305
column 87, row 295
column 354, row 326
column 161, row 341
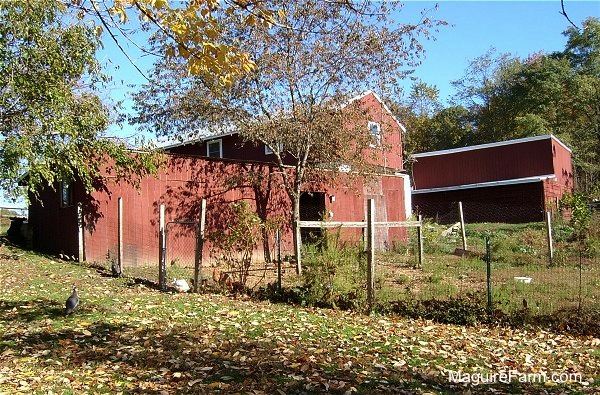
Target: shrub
column 334, row 276
column 235, row 245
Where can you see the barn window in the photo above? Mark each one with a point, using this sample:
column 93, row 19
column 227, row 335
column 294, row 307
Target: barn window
column 66, row 194
column 214, row 149
column 269, row 151
column 375, row 131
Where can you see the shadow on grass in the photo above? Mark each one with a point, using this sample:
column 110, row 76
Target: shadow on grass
column 180, row 359
column 30, row 310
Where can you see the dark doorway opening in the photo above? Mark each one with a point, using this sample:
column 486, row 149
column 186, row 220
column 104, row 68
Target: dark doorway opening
column 312, row 208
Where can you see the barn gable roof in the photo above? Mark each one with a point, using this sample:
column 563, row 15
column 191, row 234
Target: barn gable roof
column 208, row 137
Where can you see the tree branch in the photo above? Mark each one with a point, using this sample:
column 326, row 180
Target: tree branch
column 564, row 13
column 116, row 41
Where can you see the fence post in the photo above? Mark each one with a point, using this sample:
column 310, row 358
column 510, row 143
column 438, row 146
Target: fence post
column 488, row 262
column 420, row 240
column 80, row 249
column 462, row 226
column 370, row 252
column 278, row 245
column 162, row 250
column 199, row 246
column 549, row 236
column 118, row 269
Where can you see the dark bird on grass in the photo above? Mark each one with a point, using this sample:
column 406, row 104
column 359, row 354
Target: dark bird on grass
column 524, row 304
column 72, row 302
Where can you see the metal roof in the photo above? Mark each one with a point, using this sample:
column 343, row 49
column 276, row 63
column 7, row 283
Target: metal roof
column 490, row 145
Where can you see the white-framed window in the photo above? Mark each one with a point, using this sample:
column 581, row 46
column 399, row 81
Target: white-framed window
column 66, row 194
column 269, row 151
column 214, row 148
column 375, row 131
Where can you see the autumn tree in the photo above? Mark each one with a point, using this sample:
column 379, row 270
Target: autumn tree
column 309, row 64
column 195, row 32
column 52, row 122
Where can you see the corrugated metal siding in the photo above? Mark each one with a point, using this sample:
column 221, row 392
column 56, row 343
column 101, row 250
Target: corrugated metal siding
column 504, row 162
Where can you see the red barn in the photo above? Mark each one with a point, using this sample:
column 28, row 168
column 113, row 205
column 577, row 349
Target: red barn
column 221, row 169
column 512, row 181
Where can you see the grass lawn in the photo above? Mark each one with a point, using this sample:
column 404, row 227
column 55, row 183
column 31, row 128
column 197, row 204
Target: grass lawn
column 517, row 250
column 129, row 338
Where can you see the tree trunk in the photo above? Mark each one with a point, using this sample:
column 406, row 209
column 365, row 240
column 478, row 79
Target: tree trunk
column 296, row 231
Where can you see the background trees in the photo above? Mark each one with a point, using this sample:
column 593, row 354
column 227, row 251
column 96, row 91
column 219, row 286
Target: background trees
column 502, row 97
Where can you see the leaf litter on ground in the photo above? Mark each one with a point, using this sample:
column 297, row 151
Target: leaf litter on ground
column 133, row 339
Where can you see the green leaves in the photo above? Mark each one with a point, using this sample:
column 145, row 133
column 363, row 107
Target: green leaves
column 51, row 121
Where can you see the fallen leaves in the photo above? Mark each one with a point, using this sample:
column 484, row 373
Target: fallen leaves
column 127, row 339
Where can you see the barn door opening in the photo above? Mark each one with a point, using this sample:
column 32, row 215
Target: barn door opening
column 181, row 242
column 312, row 208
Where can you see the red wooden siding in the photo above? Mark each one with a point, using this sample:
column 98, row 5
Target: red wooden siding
column 233, row 148
column 180, row 186
column 389, row 154
column 477, row 165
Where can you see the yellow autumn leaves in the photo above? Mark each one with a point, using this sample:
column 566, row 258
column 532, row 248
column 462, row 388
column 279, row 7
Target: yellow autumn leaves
column 196, row 33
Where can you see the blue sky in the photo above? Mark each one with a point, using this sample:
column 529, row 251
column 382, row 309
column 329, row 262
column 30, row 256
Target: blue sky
column 516, row 27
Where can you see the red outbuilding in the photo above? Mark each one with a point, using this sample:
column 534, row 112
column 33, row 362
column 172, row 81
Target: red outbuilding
column 222, row 169
column 513, row 181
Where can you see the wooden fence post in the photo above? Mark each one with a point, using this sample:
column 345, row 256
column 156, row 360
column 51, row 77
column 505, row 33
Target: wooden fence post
column 80, row 249
column 370, row 252
column 120, row 238
column 199, row 246
column 162, row 250
column 549, row 236
column 462, row 226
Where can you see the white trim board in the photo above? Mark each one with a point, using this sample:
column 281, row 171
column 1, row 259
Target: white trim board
column 514, row 181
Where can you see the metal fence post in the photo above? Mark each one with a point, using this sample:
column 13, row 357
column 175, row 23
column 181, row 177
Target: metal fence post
column 488, row 262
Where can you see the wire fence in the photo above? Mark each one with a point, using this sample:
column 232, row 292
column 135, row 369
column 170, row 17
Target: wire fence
column 526, row 270
column 537, row 267
column 524, row 274
column 481, row 211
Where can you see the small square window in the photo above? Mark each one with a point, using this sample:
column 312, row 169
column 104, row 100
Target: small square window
column 375, row 131
column 66, row 194
column 214, row 149
column 269, row 151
